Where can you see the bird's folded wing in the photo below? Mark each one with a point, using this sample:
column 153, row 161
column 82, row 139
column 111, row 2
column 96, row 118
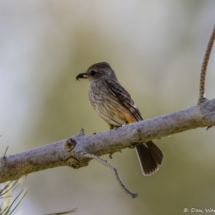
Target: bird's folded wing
column 124, row 97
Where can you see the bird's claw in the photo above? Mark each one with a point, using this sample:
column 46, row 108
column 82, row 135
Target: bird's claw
column 117, row 126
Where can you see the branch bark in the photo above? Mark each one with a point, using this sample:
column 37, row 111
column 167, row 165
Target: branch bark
column 70, row 152
column 77, row 151
column 204, row 66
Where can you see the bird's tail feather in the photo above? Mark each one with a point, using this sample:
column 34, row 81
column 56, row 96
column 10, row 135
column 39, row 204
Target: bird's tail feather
column 150, row 157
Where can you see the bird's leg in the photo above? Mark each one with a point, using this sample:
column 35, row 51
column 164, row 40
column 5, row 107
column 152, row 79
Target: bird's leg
column 117, row 126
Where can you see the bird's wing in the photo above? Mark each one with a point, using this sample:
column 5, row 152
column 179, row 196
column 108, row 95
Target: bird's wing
column 124, row 97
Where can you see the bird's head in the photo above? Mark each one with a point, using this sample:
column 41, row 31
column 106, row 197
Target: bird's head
column 98, row 71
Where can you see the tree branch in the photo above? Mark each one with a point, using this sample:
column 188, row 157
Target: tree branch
column 77, row 151
column 105, row 163
column 204, row 66
column 70, row 152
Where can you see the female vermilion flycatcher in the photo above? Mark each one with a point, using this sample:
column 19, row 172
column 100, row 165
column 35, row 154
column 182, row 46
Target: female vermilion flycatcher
column 116, row 107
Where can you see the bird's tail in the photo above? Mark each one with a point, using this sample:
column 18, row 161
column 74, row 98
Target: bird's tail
column 150, row 157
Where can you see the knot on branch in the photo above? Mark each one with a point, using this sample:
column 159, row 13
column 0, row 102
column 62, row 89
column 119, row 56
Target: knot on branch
column 136, row 138
column 76, row 156
column 73, row 163
column 76, row 164
column 70, row 144
column 137, row 135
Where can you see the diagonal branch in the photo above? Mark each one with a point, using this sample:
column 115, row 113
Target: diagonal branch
column 105, row 163
column 204, row 66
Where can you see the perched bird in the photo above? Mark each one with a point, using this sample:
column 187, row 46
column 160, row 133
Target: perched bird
column 115, row 106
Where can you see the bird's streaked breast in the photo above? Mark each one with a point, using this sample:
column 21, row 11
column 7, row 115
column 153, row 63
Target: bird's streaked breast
column 106, row 105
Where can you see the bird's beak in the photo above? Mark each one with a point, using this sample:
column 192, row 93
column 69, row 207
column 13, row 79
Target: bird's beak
column 82, row 75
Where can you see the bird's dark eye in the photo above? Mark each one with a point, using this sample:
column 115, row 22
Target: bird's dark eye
column 93, row 73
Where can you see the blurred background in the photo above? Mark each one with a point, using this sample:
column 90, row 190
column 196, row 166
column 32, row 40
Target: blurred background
column 156, row 48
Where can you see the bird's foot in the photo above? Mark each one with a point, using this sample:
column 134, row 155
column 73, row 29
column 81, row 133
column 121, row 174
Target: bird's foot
column 117, row 126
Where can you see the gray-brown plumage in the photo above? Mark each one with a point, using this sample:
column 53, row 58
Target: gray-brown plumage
column 115, row 106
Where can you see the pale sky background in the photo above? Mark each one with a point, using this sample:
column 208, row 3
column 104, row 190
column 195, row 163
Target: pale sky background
column 156, row 48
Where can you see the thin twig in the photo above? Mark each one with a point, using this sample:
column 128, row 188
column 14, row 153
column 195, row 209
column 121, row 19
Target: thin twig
column 204, row 66
column 105, row 163
column 3, row 157
column 5, row 151
column 66, row 212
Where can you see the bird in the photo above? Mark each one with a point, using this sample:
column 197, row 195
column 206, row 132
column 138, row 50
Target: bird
column 115, row 106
